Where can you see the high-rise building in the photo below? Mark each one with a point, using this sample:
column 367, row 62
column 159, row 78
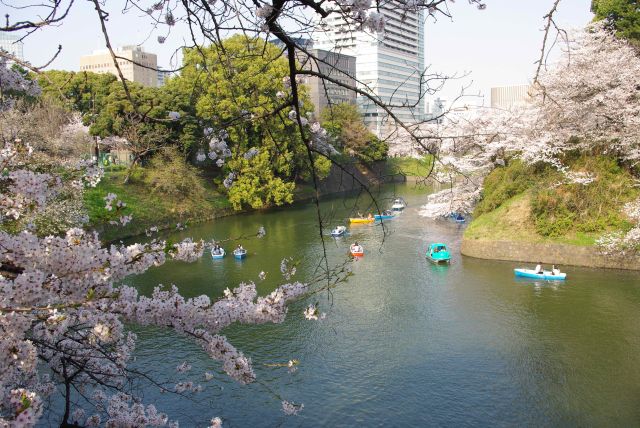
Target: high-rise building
column 137, row 65
column 335, row 65
column 163, row 75
column 437, row 111
column 389, row 65
column 10, row 43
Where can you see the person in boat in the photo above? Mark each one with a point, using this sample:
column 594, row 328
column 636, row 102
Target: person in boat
column 555, row 270
column 217, row 250
column 355, row 248
column 239, row 248
column 539, row 268
column 369, row 217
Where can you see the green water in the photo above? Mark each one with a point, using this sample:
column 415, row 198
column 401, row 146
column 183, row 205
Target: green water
column 406, row 343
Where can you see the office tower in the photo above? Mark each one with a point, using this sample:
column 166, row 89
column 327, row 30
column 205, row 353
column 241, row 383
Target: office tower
column 335, row 65
column 137, row 65
column 389, row 65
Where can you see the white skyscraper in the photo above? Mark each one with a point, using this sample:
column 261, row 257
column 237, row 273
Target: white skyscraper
column 388, row 65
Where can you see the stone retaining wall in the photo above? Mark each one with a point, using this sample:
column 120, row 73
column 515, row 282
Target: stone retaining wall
column 560, row 254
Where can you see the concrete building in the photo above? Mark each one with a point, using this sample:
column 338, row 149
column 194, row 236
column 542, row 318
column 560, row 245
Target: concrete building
column 9, row 43
column 506, row 97
column 138, row 65
column 334, row 65
column 388, row 65
column 163, row 75
column 436, row 112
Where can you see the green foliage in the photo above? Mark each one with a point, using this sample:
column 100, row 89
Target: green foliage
column 592, row 208
column 84, row 92
column 148, row 208
column 505, row 182
column 234, row 88
column 536, row 203
column 169, row 175
column 621, row 15
column 411, row 167
column 344, row 125
column 257, row 185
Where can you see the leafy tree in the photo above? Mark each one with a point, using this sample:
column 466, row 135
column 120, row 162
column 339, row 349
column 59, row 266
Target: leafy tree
column 238, row 88
column 344, row 124
column 84, row 92
column 621, row 15
column 257, row 185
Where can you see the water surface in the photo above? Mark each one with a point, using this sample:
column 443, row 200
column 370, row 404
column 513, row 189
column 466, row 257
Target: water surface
column 406, row 343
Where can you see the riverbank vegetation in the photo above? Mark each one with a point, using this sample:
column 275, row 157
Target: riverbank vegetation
column 536, row 203
column 563, row 164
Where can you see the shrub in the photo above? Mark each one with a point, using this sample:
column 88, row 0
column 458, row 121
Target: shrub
column 169, row 174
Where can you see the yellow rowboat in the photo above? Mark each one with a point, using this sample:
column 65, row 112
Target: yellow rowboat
column 361, row 220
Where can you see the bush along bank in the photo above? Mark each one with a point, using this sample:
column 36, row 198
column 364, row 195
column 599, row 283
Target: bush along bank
column 536, row 204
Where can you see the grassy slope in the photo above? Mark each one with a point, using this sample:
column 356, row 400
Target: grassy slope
column 526, row 204
column 410, row 167
column 148, row 209
column 511, row 222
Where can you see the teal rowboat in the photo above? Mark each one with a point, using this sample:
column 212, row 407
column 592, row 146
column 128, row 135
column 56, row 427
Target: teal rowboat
column 438, row 253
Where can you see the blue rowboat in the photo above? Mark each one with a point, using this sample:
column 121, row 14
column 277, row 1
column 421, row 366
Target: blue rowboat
column 458, row 218
column 240, row 254
column 219, row 255
column 546, row 275
column 386, row 215
column 438, row 253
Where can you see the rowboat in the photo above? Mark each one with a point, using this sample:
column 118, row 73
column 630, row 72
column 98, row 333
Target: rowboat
column 398, row 205
column 386, row 215
column 240, row 253
column 356, row 250
column 338, row 231
column 361, row 220
column 217, row 255
column 438, row 253
column 458, row 218
column 546, row 275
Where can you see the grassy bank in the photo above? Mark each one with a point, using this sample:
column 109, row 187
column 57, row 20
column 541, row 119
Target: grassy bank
column 410, row 167
column 537, row 204
column 148, row 208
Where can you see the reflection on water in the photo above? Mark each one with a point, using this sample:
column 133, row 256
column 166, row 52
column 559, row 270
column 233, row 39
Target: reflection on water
column 406, row 342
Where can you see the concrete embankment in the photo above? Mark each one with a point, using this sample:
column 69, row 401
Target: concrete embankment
column 547, row 253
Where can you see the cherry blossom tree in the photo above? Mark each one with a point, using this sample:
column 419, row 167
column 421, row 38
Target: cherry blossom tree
column 62, row 310
column 587, row 102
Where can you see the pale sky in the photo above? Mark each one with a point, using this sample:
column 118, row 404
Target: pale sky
column 497, row 45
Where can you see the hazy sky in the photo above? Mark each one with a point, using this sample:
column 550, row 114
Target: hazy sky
column 498, row 45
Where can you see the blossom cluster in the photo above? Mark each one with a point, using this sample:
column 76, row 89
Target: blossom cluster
column 14, row 83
